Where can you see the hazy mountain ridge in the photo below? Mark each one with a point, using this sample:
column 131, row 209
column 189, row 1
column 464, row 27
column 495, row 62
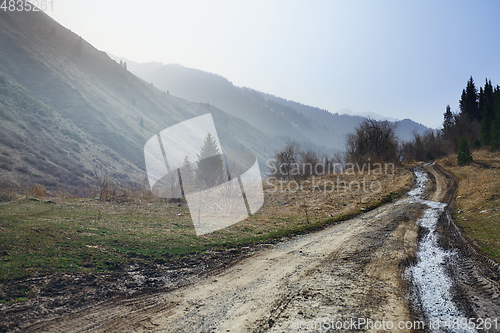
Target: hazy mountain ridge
column 67, row 108
column 372, row 115
column 273, row 115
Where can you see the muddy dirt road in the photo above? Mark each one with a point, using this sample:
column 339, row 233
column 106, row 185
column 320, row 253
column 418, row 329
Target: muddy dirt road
column 350, row 270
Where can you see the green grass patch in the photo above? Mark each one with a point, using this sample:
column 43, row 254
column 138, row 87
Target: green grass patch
column 88, row 235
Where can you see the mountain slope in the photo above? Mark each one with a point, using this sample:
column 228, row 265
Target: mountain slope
column 271, row 114
column 66, row 109
column 345, row 123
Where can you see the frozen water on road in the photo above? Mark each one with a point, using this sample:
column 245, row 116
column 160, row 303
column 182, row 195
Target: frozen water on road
column 429, row 274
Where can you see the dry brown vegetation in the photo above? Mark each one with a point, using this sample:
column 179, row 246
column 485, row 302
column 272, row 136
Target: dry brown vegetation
column 94, row 234
column 477, row 209
column 334, row 194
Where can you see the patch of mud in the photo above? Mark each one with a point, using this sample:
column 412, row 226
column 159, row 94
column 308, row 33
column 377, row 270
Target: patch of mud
column 56, row 295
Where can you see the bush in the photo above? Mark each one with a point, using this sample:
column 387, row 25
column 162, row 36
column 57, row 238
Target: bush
column 36, row 191
column 6, row 166
column 476, row 144
column 294, row 163
column 373, row 141
column 429, row 156
column 22, row 168
column 464, row 156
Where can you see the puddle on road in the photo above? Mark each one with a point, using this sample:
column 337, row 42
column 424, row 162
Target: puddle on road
column 432, row 283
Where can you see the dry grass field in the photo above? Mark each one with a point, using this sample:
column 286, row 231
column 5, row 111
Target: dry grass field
column 477, row 209
column 40, row 235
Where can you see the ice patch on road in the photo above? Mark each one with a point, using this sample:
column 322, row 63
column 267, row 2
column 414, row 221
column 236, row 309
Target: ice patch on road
column 432, row 283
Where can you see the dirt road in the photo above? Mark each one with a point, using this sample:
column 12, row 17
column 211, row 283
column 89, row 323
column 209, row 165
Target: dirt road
column 334, row 276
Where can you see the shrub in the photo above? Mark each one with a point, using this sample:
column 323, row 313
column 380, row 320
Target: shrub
column 22, row 168
column 476, row 144
column 463, row 156
column 6, row 166
column 36, row 191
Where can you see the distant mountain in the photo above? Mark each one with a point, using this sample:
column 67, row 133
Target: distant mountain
column 67, row 109
column 198, row 86
column 273, row 115
column 407, row 128
column 371, row 115
column 139, row 69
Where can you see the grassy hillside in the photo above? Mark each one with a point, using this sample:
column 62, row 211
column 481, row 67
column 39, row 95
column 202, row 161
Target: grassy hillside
column 66, row 109
column 87, row 235
column 477, row 210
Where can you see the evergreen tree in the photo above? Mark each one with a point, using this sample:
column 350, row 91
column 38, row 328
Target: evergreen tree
column 464, row 156
column 495, row 127
column 188, row 176
column 448, row 121
column 488, row 113
column 141, row 122
column 469, row 101
column 210, row 167
column 481, row 99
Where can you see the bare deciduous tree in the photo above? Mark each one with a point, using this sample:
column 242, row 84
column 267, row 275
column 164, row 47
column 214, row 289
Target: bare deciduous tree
column 373, row 141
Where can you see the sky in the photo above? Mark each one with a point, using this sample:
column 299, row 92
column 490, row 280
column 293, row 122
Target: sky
column 400, row 59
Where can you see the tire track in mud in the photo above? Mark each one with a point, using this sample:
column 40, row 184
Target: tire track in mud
column 474, row 278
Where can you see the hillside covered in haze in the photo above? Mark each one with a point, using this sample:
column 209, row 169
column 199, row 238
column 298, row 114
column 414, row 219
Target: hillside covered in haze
column 67, row 109
column 272, row 115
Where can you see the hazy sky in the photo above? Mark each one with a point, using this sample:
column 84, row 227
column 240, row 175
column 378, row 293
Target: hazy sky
column 401, row 59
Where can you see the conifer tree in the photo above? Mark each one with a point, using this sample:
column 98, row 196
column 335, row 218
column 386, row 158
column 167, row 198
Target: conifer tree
column 464, row 156
column 488, row 114
column 210, row 166
column 495, row 127
column 448, row 121
column 188, row 176
column 469, row 101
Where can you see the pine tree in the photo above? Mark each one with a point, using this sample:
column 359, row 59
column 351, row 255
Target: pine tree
column 469, row 101
column 464, row 156
column 487, row 107
column 210, row 167
column 188, row 176
column 448, row 121
column 481, row 99
column 495, row 128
